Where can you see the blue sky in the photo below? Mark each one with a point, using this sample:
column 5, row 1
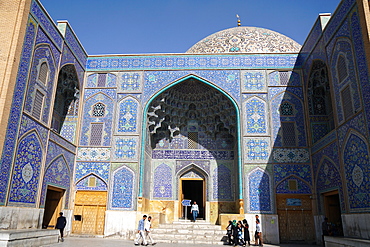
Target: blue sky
column 173, row 26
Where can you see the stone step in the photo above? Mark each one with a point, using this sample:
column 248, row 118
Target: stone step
column 186, row 232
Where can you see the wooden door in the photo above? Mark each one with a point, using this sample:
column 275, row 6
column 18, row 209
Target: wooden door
column 53, row 206
column 296, row 222
column 89, row 212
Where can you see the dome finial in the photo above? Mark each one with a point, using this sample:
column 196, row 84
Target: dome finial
column 239, row 24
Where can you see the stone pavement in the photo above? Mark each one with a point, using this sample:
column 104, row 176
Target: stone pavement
column 104, row 242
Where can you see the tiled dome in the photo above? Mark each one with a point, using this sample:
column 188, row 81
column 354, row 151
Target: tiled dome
column 246, row 40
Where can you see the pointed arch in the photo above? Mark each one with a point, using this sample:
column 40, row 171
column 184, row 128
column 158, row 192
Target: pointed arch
column 122, row 189
column 84, row 183
column 356, row 160
column 222, row 183
column 128, row 117
column 259, row 191
column 238, row 130
column 293, row 185
column 256, row 116
column 26, row 171
column 162, row 187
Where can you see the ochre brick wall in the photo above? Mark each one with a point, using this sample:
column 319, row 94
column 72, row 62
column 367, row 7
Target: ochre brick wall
column 13, row 23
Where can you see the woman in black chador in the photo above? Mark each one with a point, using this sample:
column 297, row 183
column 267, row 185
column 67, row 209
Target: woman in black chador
column 247, row 238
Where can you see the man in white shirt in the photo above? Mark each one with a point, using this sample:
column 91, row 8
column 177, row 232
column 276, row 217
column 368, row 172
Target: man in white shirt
column 258, row 234
column 194, row 210
column 148, row 226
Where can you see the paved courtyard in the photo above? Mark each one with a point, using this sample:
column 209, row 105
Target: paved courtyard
column 103, row 242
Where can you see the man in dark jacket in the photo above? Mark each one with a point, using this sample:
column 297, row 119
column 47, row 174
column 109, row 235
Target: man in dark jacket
column 61, row 223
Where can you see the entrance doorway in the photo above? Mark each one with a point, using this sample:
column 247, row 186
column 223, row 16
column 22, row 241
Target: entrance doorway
column 89, row 212
column 53, row 206
column 333, row 212
column 193, row 189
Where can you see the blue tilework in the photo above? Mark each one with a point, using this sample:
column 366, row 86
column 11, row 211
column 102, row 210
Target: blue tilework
column 204, row 165
column 283, row 171
column 357, row 123
column 15, row 116
column 294, row 79
column 62, row 142
column 131, row 82
column 128, row 116
column 330, row 151
column 312, row 38
column 111, row 80
column 75, row 46
column 84, row 184
column 256, row 149
column 100, row 169
column 340, row 14
column 222, row 183
column 247, row 61
column 42, row 39
column 328, row 179
column 256, row 110
column 91, row 81
column 356, row 164
column 122, row 189
column 57, row 174
column 253, row 81
column 48, row 25
column 41, row 53
column 88, row 118
column 193, row 154
column 362, row 66
column 298, row 117
column 94, row 154
column 332, row 136
column 28, row 124
column 111, row 93
column 343, row 47
column 290, row 155
column 126, row 148
column 302, row 187
column 227, row 80
column 55, row 150
column 69, row 128
column 26, row 173
column 162, row 182
column 259, row 192
column 318, row 130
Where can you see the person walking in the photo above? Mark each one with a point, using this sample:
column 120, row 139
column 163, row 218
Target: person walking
column 240, row 233
column 141, row 231
column 247, row 238
column 258, row 234
column 61, row 224
column 194, row 210
column 147, row 228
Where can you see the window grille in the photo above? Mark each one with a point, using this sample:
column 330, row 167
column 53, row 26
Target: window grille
column 342, row 68
column 284, row 77
column 101, row 80
column 37, row 105
column 293, row 185
column 98, row 110
column 347, row 103
column 289, row 135
column 96, row 134
column 92, row 181
column 192, row 140
column 286, row 109
column 43, row 73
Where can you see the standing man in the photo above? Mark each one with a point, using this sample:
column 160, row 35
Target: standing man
column 258, row 234
column 194, row 210
column 61, row 224
column 148, row 226
column 141, row 231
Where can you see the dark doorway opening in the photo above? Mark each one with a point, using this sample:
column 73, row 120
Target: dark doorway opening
column 53, row 204
column 333, row 212
column 194, row 191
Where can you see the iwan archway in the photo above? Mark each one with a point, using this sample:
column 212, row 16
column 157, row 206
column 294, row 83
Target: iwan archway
column 191, row 121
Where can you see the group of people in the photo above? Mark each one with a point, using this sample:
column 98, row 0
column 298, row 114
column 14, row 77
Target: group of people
column 238, row 233
column 144, row 231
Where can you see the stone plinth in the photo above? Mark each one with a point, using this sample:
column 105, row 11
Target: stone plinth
column 28, row 237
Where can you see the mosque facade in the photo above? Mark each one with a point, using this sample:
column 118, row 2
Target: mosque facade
column 246, row 122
